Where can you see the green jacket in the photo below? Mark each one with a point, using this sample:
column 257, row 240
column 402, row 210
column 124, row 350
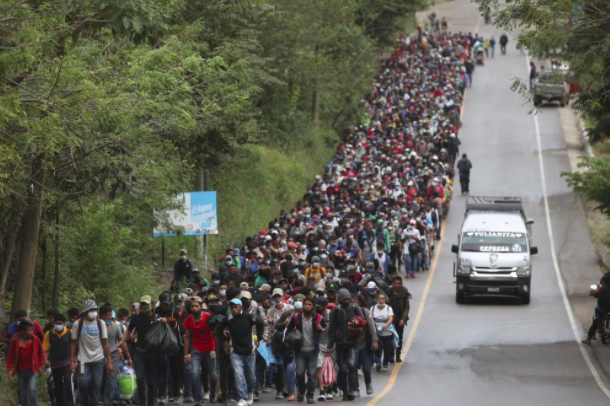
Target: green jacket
column 400, row 303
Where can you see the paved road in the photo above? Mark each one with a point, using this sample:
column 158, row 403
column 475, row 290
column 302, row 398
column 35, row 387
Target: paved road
column 496, row 350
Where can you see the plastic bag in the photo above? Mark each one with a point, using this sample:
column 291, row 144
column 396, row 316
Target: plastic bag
column 161, row 339
column 127, row 384
column 294, row 338
column 267, row 353
column 328, row 372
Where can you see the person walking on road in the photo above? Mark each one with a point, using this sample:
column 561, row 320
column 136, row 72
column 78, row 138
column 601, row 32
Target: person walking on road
column 464, row 166
column 503, row 42
column 492, row 45
column 469, row 66
column 533, row 75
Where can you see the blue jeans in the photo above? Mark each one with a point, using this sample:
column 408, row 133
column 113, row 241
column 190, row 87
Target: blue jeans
column 205, row 360
column 146, row 373
column 28, row 389
column 426, row 255
column 307, row 362
column 187, row 377
column 111, row 381
column 290, row 377
column 243, row 368
column 410, row 264
column 90, row 383
column 347, row 358
column 365, row 361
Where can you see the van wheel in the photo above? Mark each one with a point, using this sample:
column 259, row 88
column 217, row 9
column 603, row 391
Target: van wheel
column 568, row 101
column 537, row 101
column 562, row 103
column 460, row 298
column 525, row 298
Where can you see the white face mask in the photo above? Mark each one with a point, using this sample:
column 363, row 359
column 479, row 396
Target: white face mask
column 92, row 315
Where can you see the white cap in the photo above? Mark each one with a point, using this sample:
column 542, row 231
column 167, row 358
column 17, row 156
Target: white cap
column 246, row 295
column 371, row 285
column 435, row 179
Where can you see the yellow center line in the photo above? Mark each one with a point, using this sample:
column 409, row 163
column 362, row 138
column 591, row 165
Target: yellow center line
column 424, row 296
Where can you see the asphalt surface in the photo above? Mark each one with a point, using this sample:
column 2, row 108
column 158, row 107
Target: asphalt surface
column 495, row 350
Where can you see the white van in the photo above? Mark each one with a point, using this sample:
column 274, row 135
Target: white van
column 494, row 249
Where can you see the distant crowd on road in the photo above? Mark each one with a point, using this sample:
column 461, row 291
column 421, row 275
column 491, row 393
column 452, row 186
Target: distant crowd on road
column 308, row 301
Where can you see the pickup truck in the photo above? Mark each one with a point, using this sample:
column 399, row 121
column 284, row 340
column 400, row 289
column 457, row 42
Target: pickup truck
column 552, row 86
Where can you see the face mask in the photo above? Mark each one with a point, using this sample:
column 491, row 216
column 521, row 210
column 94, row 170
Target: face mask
column 380, row 304
column 122, row 322
column 19, row 322
column 323, row 256
column 409, row 227
column 316, row 264
column 278, row 305
column 298, row 305
column 302, row 263
column 351, row 267
column 344, row 305
column 315, row 248
column 245, row 304
column 92, row 315
column 216, row 283
column 213, row 308
column 295, row 271
column 180, row 305
column 222, row 292
column 342, row 280
column 59, row 328
column 108, row 322
column 183, row 257
column 276, row 225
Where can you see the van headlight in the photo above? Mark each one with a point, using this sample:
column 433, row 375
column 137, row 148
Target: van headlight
column 464, row 270
column 524, row 271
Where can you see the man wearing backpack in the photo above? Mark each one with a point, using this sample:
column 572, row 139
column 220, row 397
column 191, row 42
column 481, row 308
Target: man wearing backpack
column 310, row 324
column 146, row 362
column 88, row 349
column 346, row 342
column 115, row 334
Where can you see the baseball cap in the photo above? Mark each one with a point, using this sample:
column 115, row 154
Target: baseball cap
column 412, row 222
column 145, row 299
column 265, row 287
column 236, row 301
column 371, row 285
column 188, row 290
column 178, row 297
column 319, row 287
column 246, row 295
column 332, row 286
column 278, row 291
column 196, row 299
column 243, row 285
column 370, row 264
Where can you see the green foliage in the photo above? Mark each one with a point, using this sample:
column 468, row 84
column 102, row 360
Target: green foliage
column 593, row 182
column 118, row 105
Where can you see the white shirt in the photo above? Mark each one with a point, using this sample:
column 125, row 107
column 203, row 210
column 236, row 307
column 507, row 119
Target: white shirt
column 406, row 231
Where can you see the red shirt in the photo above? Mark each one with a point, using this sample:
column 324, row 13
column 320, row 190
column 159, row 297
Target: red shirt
column 202, row 336
column 25, row 357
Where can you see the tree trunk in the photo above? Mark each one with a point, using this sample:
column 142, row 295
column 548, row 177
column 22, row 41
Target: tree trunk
column 43, row 287
column 54, row 304
column 315, row 106
column 6, row 266
column 199, row 246
column 28, row 247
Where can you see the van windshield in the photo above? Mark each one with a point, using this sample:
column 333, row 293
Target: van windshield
column 490, row 241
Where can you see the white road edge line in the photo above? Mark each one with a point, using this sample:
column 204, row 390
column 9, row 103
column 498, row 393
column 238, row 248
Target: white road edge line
column 566, row 302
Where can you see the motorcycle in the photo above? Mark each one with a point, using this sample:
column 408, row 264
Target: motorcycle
column 604, row 329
